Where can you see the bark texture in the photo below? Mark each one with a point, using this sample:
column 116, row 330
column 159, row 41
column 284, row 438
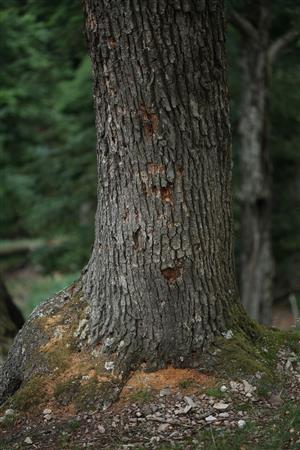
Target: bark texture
column 160, row 280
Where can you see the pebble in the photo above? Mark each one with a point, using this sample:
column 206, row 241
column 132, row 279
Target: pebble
column 101, row 429
column 165, row 392
column 224, row 415
column 210, row 419
column 221, row 406
column 241, row 423
column 9, row 412
column 163, row 427
column 190, row 402
column 223, row 388
column 28, row 440
column 47, row 411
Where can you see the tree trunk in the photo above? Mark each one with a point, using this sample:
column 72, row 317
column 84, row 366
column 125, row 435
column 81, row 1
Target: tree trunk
column 256, row 276
column 10, row 321
column 160, row 285
column 160, row 280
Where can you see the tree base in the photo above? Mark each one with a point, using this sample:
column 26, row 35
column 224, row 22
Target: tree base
column 52, row 361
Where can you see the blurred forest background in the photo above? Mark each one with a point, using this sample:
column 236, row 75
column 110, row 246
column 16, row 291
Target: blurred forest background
column 47, row 147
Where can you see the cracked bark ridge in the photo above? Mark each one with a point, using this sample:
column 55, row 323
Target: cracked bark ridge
column 160, row 281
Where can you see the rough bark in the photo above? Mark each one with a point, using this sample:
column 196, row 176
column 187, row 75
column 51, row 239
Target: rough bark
column 160, row 280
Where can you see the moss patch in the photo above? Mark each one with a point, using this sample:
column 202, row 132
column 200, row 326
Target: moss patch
column 29, row 395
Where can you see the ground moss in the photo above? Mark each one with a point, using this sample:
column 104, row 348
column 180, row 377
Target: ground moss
column 29, row 395
column 239, row 356
column 59, row 358
column 95, row 394
column 65, row 391
column 85, row 394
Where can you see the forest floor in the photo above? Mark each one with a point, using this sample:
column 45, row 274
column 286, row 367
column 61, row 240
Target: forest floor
column 172, row 409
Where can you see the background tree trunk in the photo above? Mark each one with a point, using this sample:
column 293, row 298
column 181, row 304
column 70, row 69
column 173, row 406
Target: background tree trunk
column 161, row 280
column 258, row 55
column 256, row 279
column 10, row 321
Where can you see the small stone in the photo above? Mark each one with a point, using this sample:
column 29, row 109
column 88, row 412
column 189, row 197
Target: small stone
column 241, row 423
column 225, row 415
column 228, row 334
column 2, row 419
column 28, row 440
column 234, row 386
column 163, row 427
column 9, row 412
column 223, row 388
column 47, row 411
column 247, row 386
column 165, row 392
column 47, row 417
column 221, row 406
column 101, row 429
column 109, row 365
column 210, row 419
column 275, row 400
column 185, row 410
column 190, row 401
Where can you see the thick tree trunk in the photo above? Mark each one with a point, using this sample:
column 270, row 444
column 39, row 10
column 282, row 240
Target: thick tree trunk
column 256, row 277
column 160, row 280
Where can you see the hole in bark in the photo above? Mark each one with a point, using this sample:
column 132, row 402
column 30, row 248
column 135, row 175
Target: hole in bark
column 135, row 237
column 126, row 215
column 166, row 194
column 179, row 170
column 171, row 274
column 111, row 43
column 144, row 188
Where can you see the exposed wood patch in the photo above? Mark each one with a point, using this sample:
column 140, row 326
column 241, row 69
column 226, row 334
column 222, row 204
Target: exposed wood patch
column 150, row 121
column 160, row 379
column 166, row 194
column 111, row 43
column 154, row 169
column 171, row 274
column 179, row 170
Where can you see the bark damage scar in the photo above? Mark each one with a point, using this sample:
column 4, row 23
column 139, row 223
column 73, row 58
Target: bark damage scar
column 164, row 193
column 150, row 121
column 171, row 274
column 111, row 43
column 154, row 169
column 136, row 239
